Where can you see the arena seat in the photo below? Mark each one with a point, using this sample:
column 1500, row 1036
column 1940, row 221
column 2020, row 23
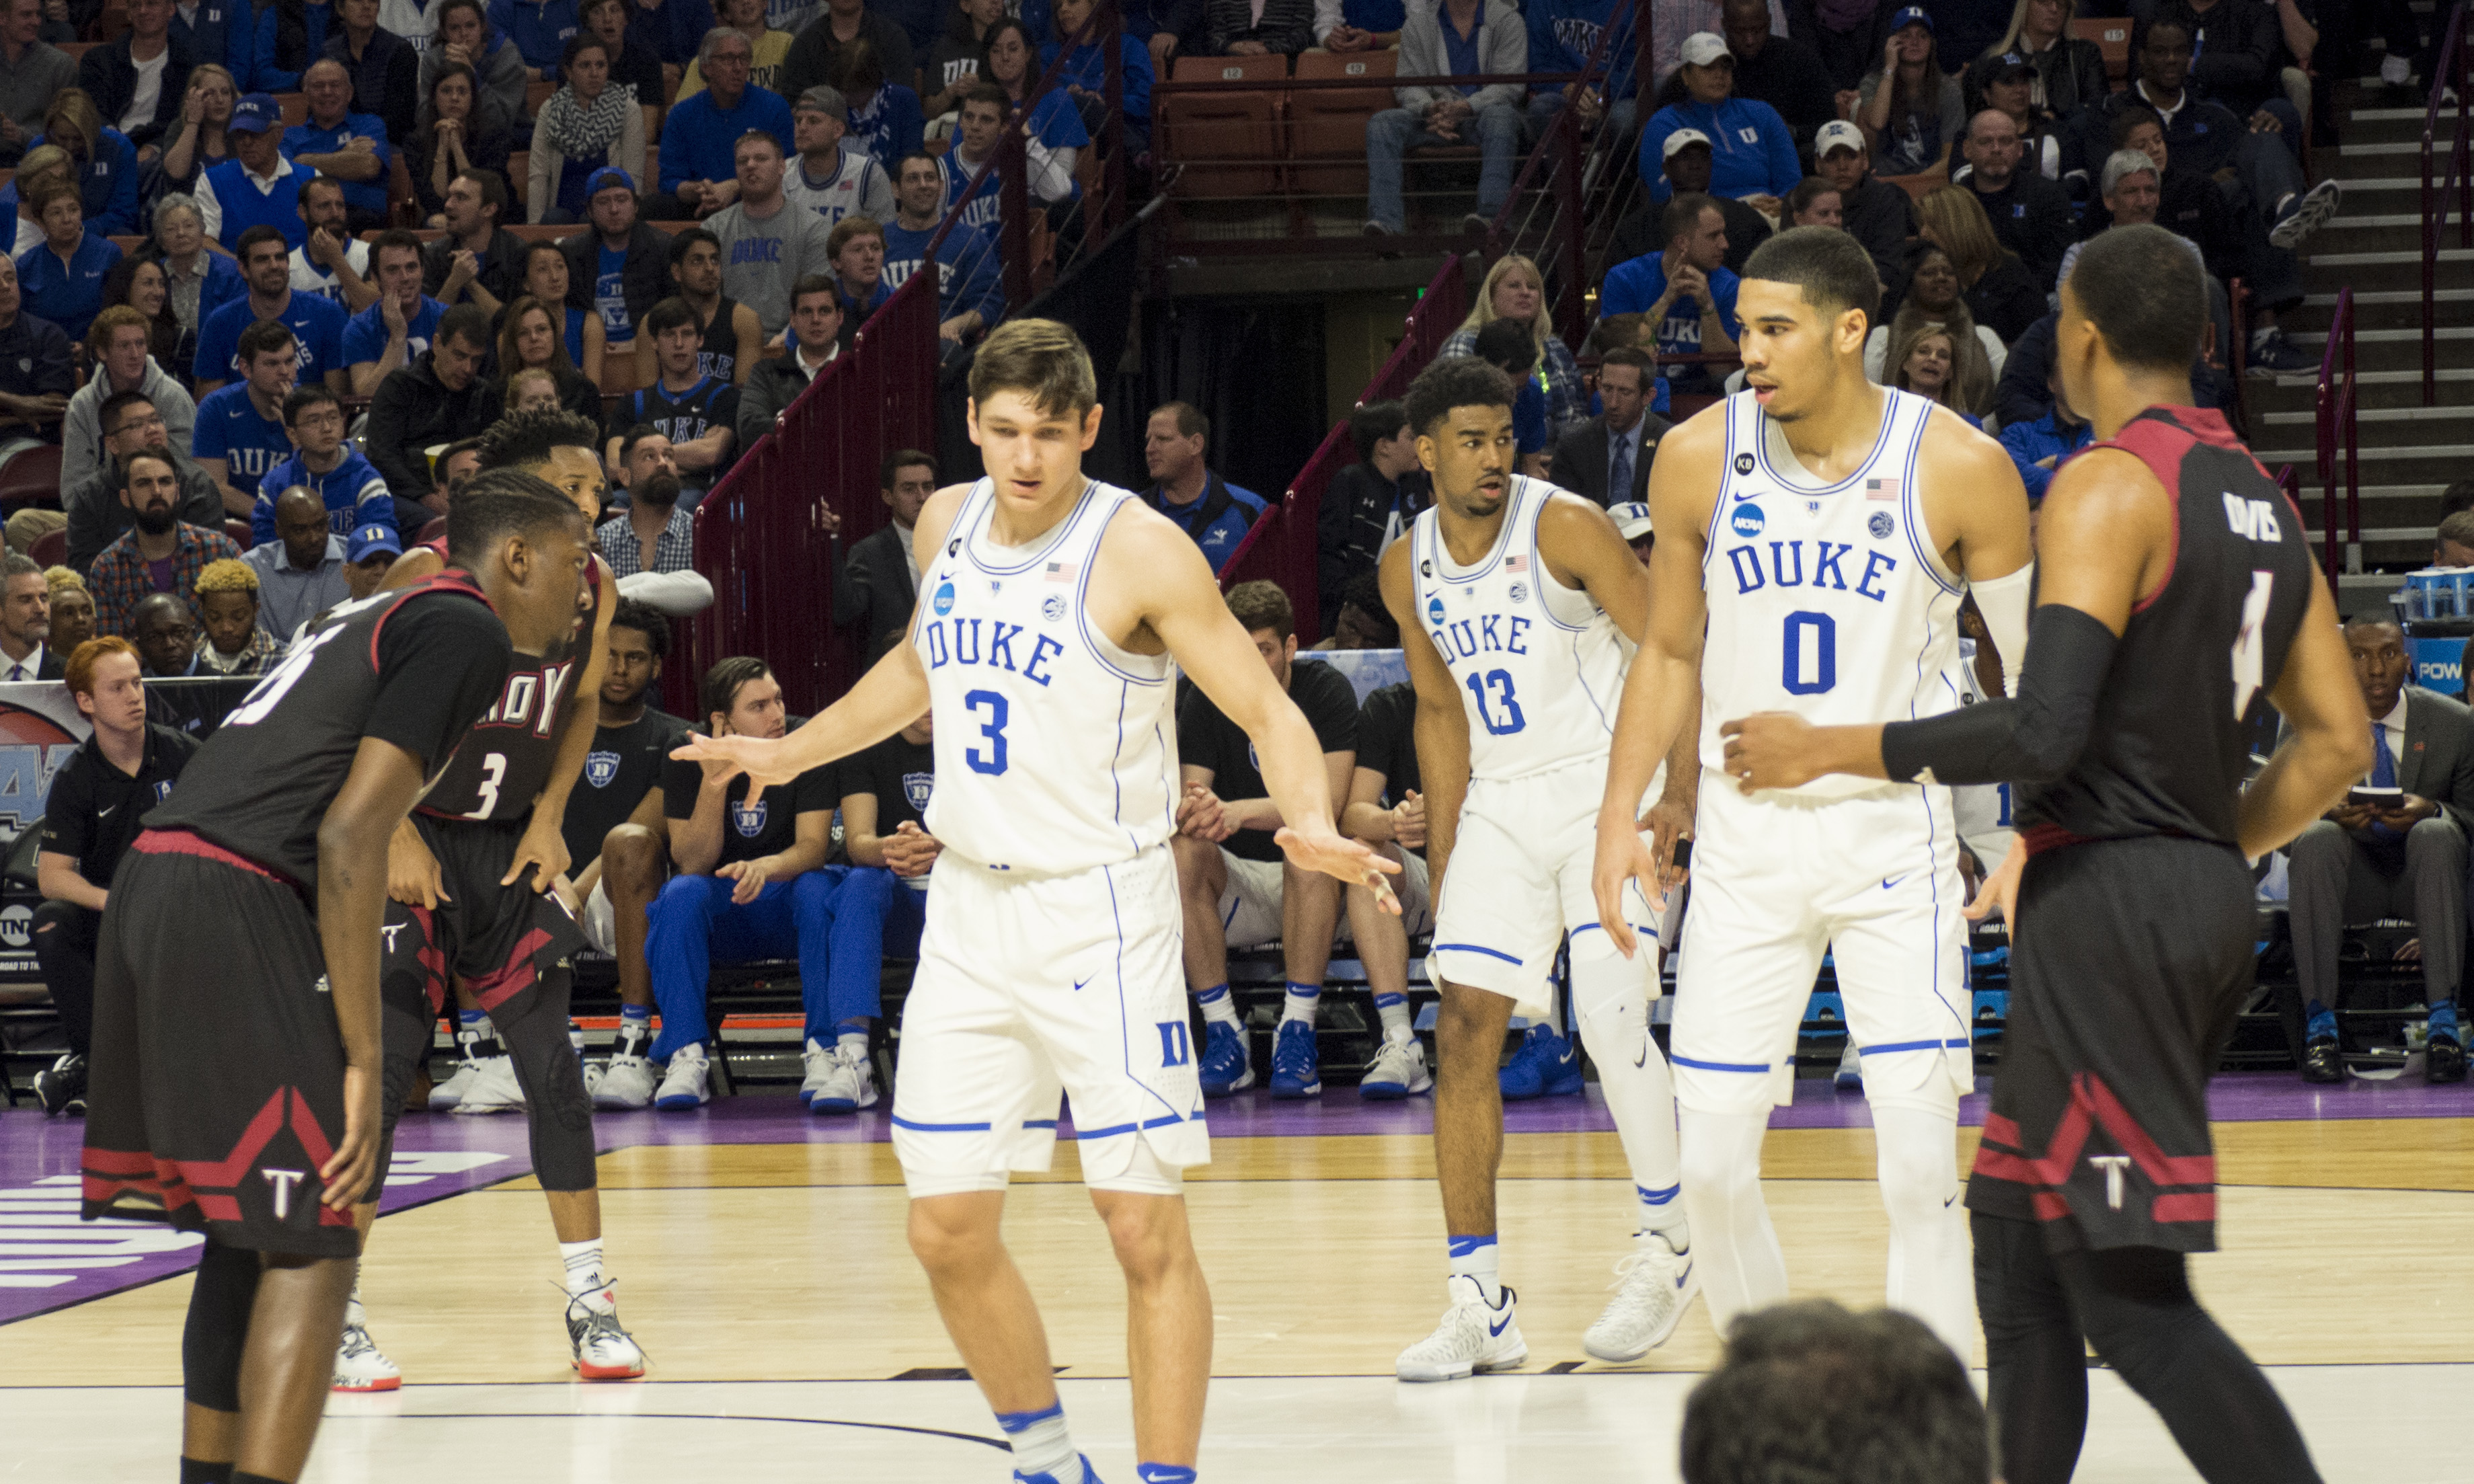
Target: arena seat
column 530, row 233
column 238, row 530
column 2112, row 38
column 1226, row 144
column 113, row 23
column 295, row 107
column 519, row 166
column 1916, row 185
column 1330, row 124
column 51, row 548
column 31, row 478
column 78, row 49
column 538, row 93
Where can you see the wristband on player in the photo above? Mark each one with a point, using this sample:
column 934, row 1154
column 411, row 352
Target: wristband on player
column 2033, row 738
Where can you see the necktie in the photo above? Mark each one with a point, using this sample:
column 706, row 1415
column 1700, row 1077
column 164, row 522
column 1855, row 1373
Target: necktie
column 2384, row 774
column 18, row 671
column 1619, row 470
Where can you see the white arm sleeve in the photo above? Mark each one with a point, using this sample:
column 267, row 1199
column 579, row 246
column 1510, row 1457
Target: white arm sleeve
column 676, row 595
column 2003, row 603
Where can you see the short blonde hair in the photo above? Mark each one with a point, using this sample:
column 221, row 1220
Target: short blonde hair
column 58, row 577
column 1042, row 359
column 228, row 574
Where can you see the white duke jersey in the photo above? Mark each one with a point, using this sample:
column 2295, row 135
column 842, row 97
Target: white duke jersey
column 1541, row 667
column 1056, row 749
column 1827, row 600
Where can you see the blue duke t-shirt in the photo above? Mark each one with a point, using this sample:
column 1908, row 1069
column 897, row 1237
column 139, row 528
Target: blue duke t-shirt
column 230, row 429
column 317, row 324
column 610, row 296
column 365, row 337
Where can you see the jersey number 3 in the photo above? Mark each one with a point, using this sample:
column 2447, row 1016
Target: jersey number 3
column 2250, row 645
column 988, row 755
column 1499, row 684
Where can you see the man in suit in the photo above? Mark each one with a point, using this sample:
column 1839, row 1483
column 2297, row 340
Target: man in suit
column 1607, row 458
column 25, row 623
column 877, row 584
column 2405, row 857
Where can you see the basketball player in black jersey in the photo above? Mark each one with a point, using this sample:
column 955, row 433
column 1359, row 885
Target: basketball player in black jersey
column 2176, row 589
column 237, row 1060
column 470, row 876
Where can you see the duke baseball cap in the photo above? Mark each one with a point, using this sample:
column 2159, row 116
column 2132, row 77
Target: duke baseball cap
column 605, row 178
column 1631, row 518
column 1680, row 138
column 2008, row 66
column 1912, row 15
column 1704, row 47
column 256, row 113
column 371, row 539
column 1837, row 135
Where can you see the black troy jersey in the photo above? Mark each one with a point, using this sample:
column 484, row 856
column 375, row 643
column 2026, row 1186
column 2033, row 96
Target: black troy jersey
column 2167, row 754
column 415, row 667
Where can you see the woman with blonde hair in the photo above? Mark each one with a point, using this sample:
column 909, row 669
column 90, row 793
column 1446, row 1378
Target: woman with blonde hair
column 43, row 167
column 1999, row 289
column 1513, row 289
column 103, row 162
column 1945, row 364
column 199, row 140
column 2070, row 72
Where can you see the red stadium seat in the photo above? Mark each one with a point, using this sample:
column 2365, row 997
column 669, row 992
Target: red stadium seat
column 238, row 530
column 1226, row 144
column 2112, row 38
column 1330, row 124
column 33, row 478
column 51, row 548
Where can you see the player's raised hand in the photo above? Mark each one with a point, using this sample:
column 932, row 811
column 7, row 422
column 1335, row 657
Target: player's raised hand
column 1623, row 859
column 1319, row 847
column 352, row 1169
column 1772, row 749
column 2000, row 890
column 760, row 758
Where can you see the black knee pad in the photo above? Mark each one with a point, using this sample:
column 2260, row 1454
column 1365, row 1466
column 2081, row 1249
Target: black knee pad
column 553, row 1082
column 218, row 1326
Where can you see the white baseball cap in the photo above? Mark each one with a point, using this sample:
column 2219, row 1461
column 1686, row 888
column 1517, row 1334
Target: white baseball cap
column 1678, row 140
column 1631, row 518
column 1837, row 135
column 1704, row 47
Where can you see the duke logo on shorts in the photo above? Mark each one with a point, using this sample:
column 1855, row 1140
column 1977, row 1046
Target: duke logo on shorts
column 1837, row 608
column 1052, row 958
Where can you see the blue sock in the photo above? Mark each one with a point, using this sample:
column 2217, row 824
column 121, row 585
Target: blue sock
column 2443, row 1019
column 2323, row 1021
column 641, row 1014
column 1218, row 1005
column 1300, row 1003
column 1163, row 1473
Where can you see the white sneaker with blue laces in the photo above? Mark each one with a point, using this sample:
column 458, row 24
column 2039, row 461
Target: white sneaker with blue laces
column 1473, row 1337
column 1653, row 1285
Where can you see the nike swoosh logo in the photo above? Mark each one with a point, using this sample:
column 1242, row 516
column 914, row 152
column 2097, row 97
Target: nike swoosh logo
column 1685, row 1276
column 1495, row 1331
column 1078, row 983
column 105, row 814
column 1953, row 1197
column 1887, row 882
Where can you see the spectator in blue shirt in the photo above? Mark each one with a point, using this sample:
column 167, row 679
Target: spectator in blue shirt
column 885, row 116
column 391, row 333
column 540, row 29
column 225, row 30
column 257, row 187
column 1752, row 150
column 1686, row 292
column 2043, row 445
column 970, row 283
column 315, row 321
column 326, row 465
column 1214, row 512
column 350, row 147
column 699, row 171
column 1562, row 36
column 105, row 162
column 64, row 272
column 1362, row 26
column 240, row 433
column 1085, row 76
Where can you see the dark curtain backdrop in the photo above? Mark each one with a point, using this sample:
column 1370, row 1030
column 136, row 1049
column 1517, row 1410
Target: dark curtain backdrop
column 1256, row 368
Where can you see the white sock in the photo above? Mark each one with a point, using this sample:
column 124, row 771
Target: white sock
column 1394, row 1010
column 1219, row 1005
column 1300, row 1002
column 1478, row 1258
column 352, row 1311
column 583, row 1261
column 1737, row 1250
column 852, row 1040
column 1041, row 1442
column 1611, row 998
column 1931, row 1264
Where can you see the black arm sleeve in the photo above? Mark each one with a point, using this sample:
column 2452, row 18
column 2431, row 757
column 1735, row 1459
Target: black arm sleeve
column 2033, row 739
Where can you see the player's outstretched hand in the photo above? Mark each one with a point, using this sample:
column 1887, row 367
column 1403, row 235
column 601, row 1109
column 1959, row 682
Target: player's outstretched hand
column 760, row 758
column 542, row 851
column 1623, row 858
column 1772, row 749
column 348, row 1173
column 1321, row 848
column 2000, row 890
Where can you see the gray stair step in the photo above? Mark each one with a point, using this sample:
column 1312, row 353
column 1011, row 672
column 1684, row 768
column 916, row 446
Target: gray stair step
column 2386, row 535
column 2369, row 415
column 2362, row 337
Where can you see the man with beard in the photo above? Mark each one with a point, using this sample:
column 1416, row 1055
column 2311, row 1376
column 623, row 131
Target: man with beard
column 126, row 572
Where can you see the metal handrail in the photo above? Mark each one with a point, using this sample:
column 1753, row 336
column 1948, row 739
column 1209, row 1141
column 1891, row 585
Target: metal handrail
column 2453, row 69
column 2336, row 420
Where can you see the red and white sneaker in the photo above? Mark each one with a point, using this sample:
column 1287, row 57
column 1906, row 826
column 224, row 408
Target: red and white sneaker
column 604, row 1349
column 360, row 1366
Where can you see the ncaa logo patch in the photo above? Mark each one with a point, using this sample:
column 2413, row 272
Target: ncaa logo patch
column 1435, row 609
column 917, row 788
column 1746, row 521
column 601, row 768
column 1053, row 607
column 749, row 819
column 944, row 601
column 1743, row 463
column 1880, row 526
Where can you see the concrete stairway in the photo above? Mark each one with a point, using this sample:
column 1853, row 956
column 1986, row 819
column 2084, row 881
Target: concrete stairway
column 2409, row 452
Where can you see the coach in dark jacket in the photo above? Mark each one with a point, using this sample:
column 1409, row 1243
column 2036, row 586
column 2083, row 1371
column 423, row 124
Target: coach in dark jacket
column 1623, row 438
column 2362, row 863
column 110, row 77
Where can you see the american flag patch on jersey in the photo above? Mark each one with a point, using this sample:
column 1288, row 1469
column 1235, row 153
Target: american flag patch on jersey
column 1060, row 572
column 1880, row 489
column 1516, row 564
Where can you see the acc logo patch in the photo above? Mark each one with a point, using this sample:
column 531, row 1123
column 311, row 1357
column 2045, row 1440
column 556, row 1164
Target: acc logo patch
column 749, row 819
column 1746, row 521
column 1880, row 526
column 944, row 601
column 1743, row 463
column 601, row 768
column 1053, row 607
column 1520, row 591
column 917, row 788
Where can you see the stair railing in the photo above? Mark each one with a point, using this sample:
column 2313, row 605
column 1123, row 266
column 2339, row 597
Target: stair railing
column 2337, row 423
column 2452, row 72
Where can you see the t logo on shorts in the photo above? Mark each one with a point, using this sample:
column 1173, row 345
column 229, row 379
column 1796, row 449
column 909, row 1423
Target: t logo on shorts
column 750, row 817
column 2112, row 1165
column 283, row 1180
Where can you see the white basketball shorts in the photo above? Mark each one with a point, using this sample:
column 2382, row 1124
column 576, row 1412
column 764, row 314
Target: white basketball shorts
column 1249, row 899
column 1519, row 882
column 1777, row 881
column 1031, row 988
column 600, row 921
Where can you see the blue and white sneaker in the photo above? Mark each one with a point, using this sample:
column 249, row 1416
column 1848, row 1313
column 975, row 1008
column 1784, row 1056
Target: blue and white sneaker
column 1849, row 1076
column 1296, row 1070
column 1090, row 1476
column 1398, row 1071
column 1545, row 1066
column 1224, row 1067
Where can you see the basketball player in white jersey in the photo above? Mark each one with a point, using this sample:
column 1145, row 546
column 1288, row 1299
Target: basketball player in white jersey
column 1823, row 529
column 1051, row 607
column 1518, row 604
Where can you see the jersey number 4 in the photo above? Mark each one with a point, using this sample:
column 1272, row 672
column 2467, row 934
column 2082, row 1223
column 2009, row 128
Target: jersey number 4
column 2250, row 644
column 1496, row 683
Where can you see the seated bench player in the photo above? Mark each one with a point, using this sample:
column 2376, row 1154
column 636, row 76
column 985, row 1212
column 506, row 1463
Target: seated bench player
column 1386, row 811
column 884, row 901
column 752, row 880
column 618, row 841
column 1239, row 889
